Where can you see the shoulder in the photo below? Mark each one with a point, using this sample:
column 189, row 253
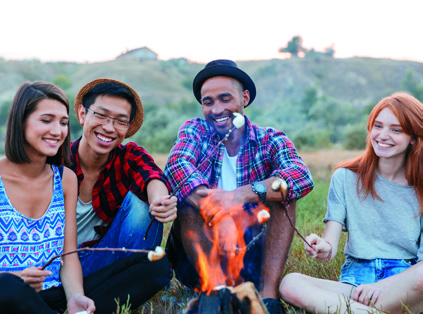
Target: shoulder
column 130, row 147
column 131, row 152
column 344, row 173
column 343, row 176
column 132, row 156
column 260, row 131
column 270, row 136
column 68, row 175
column 69, row 180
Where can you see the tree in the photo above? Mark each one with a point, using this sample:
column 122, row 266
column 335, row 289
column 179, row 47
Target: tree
column 309, row 99
column 62, row 81
column 329, row 51
column 294, row 46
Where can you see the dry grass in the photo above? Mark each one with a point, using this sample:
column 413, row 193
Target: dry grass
column 322, row 162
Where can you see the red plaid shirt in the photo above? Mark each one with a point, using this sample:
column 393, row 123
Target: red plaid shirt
column 130, row 169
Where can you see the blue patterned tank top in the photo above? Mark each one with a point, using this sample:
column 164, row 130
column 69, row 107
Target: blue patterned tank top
column 26, row 242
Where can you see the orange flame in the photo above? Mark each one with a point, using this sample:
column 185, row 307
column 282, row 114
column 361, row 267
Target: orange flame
column 222, row 265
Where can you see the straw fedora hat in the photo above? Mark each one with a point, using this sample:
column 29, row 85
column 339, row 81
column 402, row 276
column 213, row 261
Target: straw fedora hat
column 139, row 114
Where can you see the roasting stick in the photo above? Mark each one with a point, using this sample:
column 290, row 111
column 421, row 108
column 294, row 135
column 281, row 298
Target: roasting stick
column 280, row 185
column 152, row 255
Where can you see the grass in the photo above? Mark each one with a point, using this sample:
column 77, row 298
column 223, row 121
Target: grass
column 310, row 212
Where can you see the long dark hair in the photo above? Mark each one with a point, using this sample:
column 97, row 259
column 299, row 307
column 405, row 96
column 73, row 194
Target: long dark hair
column 27, row 97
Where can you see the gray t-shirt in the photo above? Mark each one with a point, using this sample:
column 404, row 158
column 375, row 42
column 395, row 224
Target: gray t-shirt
column 389, row 229
column 86, row 220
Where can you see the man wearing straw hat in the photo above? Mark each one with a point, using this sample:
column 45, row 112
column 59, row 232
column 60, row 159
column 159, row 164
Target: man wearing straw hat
column 120, row 190
column 229, row 183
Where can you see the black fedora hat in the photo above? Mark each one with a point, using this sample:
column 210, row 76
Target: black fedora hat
column 227, row 68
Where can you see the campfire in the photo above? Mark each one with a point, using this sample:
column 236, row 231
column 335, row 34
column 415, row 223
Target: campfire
column 222, row 288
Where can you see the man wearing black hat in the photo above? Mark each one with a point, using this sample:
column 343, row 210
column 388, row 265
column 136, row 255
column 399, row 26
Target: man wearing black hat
column 230, row 183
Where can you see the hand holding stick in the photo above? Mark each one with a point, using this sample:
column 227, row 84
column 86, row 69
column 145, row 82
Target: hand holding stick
column 280, row 185
column 238, row 122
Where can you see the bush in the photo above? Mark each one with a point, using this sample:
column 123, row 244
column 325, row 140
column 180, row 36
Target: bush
column 312, row 139
column 355, row 137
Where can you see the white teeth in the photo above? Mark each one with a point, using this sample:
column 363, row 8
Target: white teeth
column 222, row 119
column 384, row 145
column 104, row 139
column 51, row 141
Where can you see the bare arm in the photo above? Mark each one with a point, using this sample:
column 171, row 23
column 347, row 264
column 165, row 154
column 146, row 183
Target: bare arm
column 71, row 272
column 324, row 249
column 162, row 207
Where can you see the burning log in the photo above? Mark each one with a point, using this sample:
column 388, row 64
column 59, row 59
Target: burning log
column 242, row 299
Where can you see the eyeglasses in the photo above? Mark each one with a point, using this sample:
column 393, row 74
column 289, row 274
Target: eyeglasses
column 104, row 119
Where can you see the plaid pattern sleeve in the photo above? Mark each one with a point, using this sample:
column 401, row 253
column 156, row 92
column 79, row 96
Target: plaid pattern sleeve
column 290, row 167
column 141, row 167
column 269, row 152
column 187, row 152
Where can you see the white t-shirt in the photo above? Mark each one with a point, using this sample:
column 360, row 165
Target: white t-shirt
column 227, row 180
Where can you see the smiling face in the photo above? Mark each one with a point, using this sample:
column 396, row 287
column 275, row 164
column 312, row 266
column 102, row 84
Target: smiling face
column 99, row 138
column 387, row 137
column 46, row 129
column 220, row 98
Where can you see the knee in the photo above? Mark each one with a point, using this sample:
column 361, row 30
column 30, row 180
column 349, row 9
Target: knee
column 163, row 272
column 10, row 288
column 289, row 288
column 135, row 209
column 418, row 276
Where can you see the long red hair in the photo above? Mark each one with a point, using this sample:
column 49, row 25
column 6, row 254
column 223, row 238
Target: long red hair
column 408, row 111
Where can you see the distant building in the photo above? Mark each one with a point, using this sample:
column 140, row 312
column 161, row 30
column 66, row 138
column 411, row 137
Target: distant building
column 138, row 54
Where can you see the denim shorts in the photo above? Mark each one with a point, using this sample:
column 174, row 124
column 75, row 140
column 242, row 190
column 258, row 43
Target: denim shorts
column 361, row 271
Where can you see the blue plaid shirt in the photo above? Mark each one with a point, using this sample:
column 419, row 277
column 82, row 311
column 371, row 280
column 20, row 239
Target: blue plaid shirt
column 266, row 152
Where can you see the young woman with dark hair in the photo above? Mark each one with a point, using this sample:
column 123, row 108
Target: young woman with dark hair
column 378, row 199
column 38, row 201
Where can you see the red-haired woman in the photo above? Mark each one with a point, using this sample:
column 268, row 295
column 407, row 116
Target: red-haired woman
column 378, row 199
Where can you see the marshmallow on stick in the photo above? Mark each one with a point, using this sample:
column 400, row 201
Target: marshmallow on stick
column 279, row 185
column 263, row 216
column 155, row 255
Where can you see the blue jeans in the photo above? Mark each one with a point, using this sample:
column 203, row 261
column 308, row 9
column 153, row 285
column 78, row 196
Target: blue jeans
column 127, row 230
column 360, row 271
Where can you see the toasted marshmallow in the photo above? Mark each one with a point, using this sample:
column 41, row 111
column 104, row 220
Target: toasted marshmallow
column 156, row 254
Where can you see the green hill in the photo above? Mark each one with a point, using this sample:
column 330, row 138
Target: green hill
column 316, row 101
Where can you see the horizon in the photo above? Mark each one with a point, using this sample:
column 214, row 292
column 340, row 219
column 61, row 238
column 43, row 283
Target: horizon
column 285, row 56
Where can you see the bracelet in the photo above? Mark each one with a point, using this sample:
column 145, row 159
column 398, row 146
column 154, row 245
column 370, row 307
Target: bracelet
column 330, row 252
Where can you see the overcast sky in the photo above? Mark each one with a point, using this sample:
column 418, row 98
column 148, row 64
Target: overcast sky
column 99, row 30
